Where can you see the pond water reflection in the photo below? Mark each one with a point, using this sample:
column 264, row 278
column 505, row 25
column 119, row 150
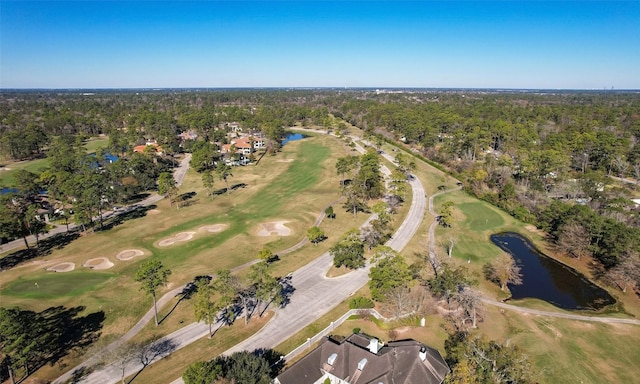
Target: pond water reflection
column 547, row 279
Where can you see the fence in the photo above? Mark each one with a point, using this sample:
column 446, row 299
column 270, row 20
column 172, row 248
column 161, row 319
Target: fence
column 312, row 340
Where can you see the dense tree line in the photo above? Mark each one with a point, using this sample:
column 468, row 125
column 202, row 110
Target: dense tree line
column 519, row 150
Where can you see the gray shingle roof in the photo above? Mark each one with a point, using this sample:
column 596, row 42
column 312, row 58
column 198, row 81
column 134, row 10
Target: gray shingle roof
column 397, row 362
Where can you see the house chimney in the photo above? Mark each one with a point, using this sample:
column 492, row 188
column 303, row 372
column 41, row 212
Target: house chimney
column 423, row 353
column 374, row 346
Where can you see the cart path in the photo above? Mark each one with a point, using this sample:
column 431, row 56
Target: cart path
column 609, row 320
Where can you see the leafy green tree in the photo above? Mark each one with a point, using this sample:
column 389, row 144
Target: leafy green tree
column 203, row 156
column 330, row 213
column 204, row 308
column 369, row 178
column 19, row 210
column 225, row 286
column 349, row 251
column 345, row 165
column 224, row 172
column 449, row 281
column 355, row 199
column 391, row 272
column 446, row 214
column 152, row 275
column 204, row 372
column 18, row 341
column 398, row 183
column 315, row 235
column 167, row 186
column 247, row 368
column 266, row 255
column 267, row 287
column 208, row 181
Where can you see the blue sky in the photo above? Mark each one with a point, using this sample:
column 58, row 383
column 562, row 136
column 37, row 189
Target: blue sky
column 479, row 44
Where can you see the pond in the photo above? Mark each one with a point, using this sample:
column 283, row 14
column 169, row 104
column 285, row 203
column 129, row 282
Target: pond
column 292, row 137
column 547, row 279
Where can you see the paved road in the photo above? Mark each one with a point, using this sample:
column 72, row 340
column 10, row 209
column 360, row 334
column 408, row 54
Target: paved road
column 178, row 174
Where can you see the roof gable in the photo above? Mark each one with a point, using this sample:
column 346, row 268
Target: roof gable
column 396, row 362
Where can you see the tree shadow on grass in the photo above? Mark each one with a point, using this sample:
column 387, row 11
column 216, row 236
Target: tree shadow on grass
column 189, row 289
column 55, row 332
column 152, row 352
column 57, row 241
column 135, row 212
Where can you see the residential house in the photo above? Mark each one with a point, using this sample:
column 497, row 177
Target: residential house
column 360, row 359
column 145, row 147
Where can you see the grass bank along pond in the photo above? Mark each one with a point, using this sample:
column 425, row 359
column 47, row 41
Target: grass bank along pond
column 547, row 279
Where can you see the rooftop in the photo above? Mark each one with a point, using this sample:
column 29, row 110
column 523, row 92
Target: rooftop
column 360, row 359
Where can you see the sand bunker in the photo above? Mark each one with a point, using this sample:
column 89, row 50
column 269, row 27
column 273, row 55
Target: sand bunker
column 98, row 263
column 153, row 211
column 129, row 254
column 274, row 228
column 182, row 236
column 62, row 267
column 213, row 228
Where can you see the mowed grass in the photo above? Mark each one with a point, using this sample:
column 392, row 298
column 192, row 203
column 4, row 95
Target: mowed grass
column 52, row 285
column 294, row 186
column 7, row 175
column 568, row 351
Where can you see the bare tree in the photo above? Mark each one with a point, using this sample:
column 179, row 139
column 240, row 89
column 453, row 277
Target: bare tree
column 402, row 301
column 120, row 356
column 470, row 301
column 574, row 240
column 626, row 273
column 503, row 271
column 452, row 242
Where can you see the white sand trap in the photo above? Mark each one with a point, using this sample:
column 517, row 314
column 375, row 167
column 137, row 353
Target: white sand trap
column 98, row 263
column 182, row 236
column 153, row 211
column 129, row 254
column 284, row 160
column 277, row 228
column 213, row 228
column 62, row 267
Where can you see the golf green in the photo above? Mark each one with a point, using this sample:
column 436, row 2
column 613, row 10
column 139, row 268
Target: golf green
column 56, row 284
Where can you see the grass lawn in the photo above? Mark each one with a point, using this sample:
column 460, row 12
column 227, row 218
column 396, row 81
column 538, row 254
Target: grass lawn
column 37, row 165
column 52, row 285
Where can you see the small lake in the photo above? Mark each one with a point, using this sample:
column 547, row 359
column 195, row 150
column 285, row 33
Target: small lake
column 547, row 279
column 293, row 137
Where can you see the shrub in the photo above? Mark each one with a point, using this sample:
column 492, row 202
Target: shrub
column 361, row 302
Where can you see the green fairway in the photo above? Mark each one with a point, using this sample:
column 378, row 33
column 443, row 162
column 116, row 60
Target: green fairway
column 480, row 217
column 37, row 165
column 51, row 285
